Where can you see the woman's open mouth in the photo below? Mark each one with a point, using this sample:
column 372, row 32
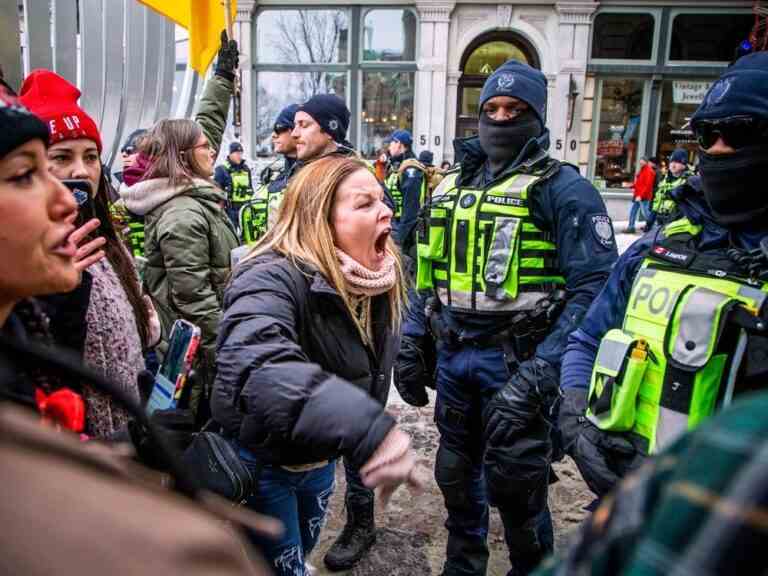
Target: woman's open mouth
column 381, row 242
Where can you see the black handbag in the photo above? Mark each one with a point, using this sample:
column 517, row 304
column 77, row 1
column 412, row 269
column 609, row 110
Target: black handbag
column 212, row 461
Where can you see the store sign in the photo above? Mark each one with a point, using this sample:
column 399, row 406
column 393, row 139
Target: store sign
column 610, row 148
column 685, row 92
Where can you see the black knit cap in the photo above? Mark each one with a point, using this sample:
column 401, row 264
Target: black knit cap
column 331, row 113
column 17, row 124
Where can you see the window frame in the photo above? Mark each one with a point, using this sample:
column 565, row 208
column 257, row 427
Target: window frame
column 364, row 11
column 674, row 13
column 355, row 66
column 596, row 117
column 655, row 13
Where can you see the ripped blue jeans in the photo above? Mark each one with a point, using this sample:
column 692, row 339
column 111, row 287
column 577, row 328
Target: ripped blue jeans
column 300, row 501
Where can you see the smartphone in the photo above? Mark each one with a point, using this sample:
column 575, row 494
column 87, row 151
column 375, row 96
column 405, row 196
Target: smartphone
column 83, row 193
column 172, row 375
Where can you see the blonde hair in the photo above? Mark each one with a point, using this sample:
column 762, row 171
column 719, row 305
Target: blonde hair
column 303, row 231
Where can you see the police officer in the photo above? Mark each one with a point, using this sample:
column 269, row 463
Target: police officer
column 407, row 185
column 515, row 247
column 261, row 212
column 234, row 176
column 676, row 333
column 664, row 208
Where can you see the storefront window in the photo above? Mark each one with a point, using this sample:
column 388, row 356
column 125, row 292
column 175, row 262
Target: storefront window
column 618, row 132
column 623, row 36
column 489, row 56
column 302, row 37
column 389, row 36
column 275, row 90
column 680, row 98
column 708, row 37
column 387, row 106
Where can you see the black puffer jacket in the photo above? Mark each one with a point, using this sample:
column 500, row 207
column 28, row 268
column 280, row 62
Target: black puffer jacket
column 295, row 382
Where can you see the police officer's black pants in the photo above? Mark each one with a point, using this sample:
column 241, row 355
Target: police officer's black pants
column 467, row 378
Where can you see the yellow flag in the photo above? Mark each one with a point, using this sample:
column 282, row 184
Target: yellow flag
column 204, row 19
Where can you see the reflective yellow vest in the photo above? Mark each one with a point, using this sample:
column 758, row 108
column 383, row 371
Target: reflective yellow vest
column 666, row 369
column 662, row 201
column 393, row 185
column 480, row 250
column 241, row 183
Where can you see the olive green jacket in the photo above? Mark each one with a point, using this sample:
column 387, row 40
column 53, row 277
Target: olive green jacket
column 188, row 237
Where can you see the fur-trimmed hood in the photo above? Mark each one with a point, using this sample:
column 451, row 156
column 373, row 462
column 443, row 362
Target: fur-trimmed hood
column 146, row 195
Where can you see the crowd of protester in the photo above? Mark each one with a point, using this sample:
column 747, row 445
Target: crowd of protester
column 496, row 281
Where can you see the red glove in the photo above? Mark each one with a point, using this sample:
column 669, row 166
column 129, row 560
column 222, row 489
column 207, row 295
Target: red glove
column 63, row 407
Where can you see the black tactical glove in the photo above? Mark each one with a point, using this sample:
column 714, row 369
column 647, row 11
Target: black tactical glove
column 530, row 391
column 411, row 373
column 571, row 418
column 228, row 58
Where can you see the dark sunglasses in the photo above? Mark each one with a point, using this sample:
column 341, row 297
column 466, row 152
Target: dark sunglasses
column 280, row 128
column 128, row 150
column 736, row 131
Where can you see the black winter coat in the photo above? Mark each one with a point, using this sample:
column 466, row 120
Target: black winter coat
column 295, row 383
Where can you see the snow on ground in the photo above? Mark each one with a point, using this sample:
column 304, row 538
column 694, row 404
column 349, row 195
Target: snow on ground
column 411, row 535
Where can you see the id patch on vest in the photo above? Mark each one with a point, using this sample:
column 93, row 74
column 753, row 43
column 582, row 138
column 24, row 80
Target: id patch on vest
column 411, row 172
column 678, row 258
column 602, row 229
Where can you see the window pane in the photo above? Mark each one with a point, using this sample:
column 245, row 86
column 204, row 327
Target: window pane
column 275, row 90
column 487, row 57
column 389, row 35
column 623, row 36
column 302, row 36
column 387, row 106
column 618, row 132
column 679, row 101
column 708, row 37
column 470, row 101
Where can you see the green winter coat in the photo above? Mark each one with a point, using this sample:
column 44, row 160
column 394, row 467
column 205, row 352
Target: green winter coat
column 188, row 237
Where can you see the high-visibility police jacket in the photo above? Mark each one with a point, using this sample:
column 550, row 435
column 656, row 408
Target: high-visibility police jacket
column 253, row 216
column 241, row 190
column 393, row 185
column 480, row 249
column 677, row 355
column 663, row 203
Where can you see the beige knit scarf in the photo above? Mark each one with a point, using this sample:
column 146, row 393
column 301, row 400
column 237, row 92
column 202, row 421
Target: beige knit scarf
column 362, row 281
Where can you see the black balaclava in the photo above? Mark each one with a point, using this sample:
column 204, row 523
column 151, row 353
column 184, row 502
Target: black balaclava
column 734, row 185
column 503, row 140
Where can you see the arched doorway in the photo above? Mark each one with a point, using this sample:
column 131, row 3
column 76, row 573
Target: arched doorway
column 480, row 59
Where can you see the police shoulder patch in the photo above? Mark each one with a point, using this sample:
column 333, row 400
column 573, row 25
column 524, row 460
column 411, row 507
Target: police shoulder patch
column 602, row 229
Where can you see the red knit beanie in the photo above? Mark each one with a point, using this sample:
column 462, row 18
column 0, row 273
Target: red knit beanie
column 54, row 100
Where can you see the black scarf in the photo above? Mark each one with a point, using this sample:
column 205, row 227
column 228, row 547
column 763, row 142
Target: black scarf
column 503, row 140
column 734, row 185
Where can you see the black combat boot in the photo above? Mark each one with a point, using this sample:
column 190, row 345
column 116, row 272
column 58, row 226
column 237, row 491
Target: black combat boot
column 358, row 536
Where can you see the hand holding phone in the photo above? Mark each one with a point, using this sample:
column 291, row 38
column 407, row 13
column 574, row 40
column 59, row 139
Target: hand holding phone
column 89, row 253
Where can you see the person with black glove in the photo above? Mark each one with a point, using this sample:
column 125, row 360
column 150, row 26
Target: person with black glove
column 228, row 58
column 513, row 245
column 414, row 371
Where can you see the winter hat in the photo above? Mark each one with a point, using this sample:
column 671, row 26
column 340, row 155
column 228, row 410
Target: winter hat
column 285, row 118
column 17, row 124
column 741, row 90
column 331, row 113
column 426, row 157
column 402, row 136
column 519, row 81
column 54, row 100
column 679, row 155
column 235, row 147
